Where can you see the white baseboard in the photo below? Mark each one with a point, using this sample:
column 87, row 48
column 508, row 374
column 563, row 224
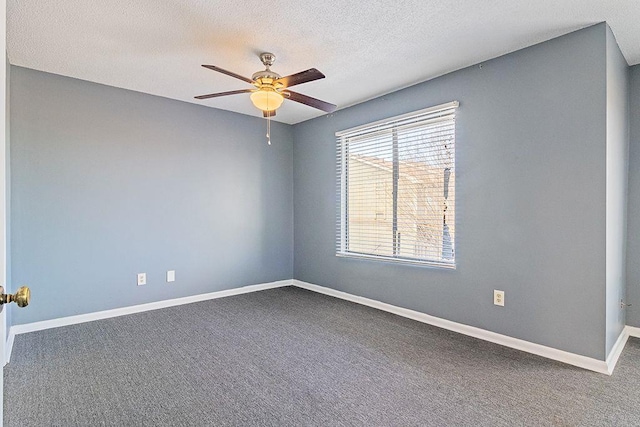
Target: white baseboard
column 89, row 317
column 616, row 350
column 605, row 367
column 8, row 347
column 633, row 331
column 589, row 363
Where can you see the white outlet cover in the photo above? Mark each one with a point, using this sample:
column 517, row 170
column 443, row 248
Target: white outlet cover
column 171, row 276
column 498, row 297
column 142, row 279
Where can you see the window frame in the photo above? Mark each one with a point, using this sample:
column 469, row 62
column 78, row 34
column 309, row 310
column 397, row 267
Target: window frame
column 391, row 124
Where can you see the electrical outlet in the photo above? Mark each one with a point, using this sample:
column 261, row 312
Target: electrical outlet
column 171, row 276
column 142, row 279
column 498, row 297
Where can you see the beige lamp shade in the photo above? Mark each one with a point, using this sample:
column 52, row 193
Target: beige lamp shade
column 267, row 100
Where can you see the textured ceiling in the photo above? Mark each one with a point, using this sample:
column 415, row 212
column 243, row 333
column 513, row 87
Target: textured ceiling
column 365, row 48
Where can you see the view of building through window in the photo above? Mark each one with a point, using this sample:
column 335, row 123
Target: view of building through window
column 399, row 191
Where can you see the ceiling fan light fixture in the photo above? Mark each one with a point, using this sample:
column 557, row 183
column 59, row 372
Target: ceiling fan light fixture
column 267, row 100
column 270, row 88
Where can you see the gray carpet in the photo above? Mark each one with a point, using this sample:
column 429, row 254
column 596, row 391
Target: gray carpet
column 289, row 357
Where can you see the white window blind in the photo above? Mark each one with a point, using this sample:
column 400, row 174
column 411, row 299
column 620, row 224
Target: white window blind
column 396, row 182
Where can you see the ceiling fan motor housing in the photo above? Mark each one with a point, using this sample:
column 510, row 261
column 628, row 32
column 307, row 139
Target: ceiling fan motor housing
column 263, row 77
column 266, row 77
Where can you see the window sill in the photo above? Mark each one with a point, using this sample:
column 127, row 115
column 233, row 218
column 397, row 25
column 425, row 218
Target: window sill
column 391, row 260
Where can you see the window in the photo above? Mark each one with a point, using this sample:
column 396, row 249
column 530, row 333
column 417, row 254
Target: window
column 396, row 182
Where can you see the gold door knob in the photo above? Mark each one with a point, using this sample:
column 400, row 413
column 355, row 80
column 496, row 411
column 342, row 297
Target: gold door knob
column 21, row 297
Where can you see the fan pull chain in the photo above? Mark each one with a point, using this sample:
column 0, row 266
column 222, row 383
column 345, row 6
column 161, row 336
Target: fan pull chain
column 269, row 129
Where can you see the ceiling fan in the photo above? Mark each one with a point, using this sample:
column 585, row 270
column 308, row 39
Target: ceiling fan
column 271, row 89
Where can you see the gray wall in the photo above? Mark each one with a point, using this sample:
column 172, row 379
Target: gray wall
column 530, row 195
column 617, row 172
column 633, row 228
column 107, row 183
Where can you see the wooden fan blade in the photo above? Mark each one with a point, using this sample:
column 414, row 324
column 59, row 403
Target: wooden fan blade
column 268, row 113
column 228, row 73
column 307, row 100
column 231, row 92
column 301, row 77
